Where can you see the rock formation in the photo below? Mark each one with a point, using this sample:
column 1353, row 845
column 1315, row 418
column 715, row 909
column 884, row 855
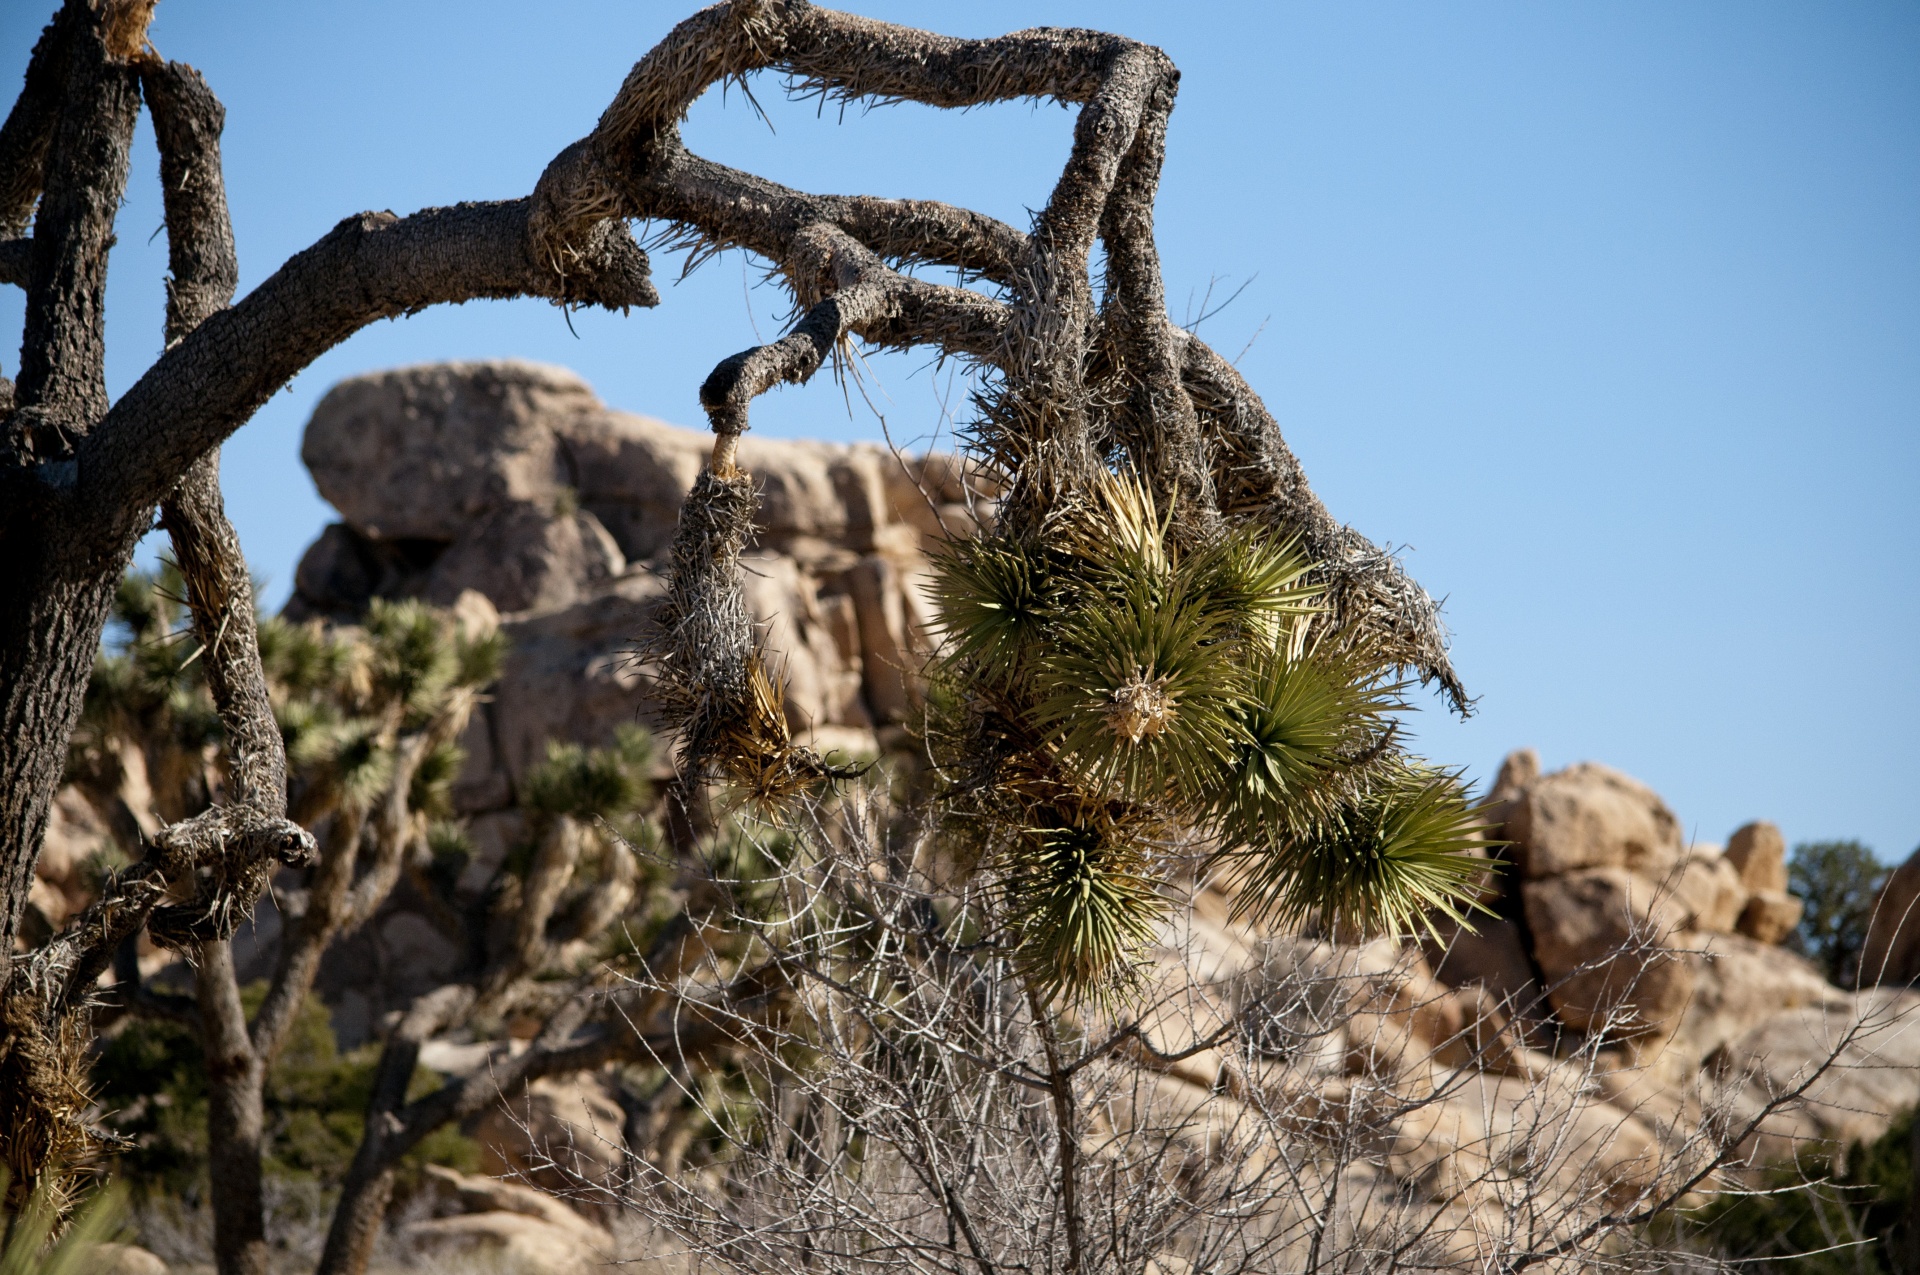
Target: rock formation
column 512, row 480
column 508, row 487
column 1891, row 954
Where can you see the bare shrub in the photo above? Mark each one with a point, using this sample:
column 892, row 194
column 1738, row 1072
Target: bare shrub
column 898, row 1097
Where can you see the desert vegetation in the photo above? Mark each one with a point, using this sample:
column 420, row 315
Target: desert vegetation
column 1032, row 873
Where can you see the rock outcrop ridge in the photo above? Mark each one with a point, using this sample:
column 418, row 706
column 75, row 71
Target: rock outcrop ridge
column 513, row 481
column 1628, row 980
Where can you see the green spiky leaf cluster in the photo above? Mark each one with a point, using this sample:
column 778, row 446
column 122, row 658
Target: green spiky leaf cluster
column 1119, row 684
column 589, row 783
column 341, row 695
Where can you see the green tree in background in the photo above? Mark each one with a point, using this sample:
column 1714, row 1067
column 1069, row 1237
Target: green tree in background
column 1838, row 880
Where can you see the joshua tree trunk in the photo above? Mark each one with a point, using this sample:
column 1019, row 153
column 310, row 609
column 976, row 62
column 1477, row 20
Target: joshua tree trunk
column 235, row 1117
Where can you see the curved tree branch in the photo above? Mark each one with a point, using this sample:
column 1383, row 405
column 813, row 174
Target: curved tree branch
column 371, row 266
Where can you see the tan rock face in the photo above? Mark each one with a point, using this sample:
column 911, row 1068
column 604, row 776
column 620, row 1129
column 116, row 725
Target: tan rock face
column 1876, row 1073
column 1627, row 925
column 61, row 886
column 510, row 481
column 1760, row 853
column 1709, row 890
column 420, row 452
column 1892, row 951
column 1592, row 816
column 564, row 1133
column 1491, row 955
column 507, row 1243
column 120, row 1259
column 1770, row 915
column 1740, row 983
column 522, row 557
column 1602, row 937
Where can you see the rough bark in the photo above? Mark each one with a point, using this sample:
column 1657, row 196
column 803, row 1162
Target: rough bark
column 28, row 132
column 71, row 526
column 62, row 389
column 66, row 141
column 236, row 1074
column 205, row 269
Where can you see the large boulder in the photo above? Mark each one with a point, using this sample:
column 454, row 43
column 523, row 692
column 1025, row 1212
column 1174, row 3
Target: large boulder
column 1592, row 816
column 119, row 1259
column 1489, row 953
column 1770, row 915
column 1759, row 852
column 1709, row 890
column 1603, row 937
column 564, row 1134
column 524, row 557
column 505, row 1244
column 419, row 453
column 512, row 482
column 1818, row 1080
column 1739, row 984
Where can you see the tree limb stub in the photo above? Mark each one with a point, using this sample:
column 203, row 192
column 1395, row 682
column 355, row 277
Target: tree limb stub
column 28, row 132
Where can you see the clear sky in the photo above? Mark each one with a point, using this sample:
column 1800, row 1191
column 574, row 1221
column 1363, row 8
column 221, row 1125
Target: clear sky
column 1611, row 313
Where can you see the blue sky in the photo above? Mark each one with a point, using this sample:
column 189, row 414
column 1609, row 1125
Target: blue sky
column 1610, row 312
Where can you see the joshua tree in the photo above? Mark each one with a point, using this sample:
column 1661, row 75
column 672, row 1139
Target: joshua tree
column 370, row 713
column 1096, row 407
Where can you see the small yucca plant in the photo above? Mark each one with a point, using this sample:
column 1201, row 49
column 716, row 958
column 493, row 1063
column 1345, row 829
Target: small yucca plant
column 1114, row 688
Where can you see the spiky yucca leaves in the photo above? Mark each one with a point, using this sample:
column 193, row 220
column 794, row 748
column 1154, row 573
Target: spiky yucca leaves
column 37, row 1242
column 1305, row 719
column 342, row 696
column 1165, row 690
column 1082, row 895
column 998, row 600
column 1386, row 858
column 589, row 783
column 1138, row 693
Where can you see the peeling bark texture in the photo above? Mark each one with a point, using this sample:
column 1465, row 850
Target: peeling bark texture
column 1077, row 380
column 62, row 388
column 28, row 132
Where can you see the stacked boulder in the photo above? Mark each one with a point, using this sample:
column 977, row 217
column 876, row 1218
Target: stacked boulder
column 1626, row 983
column 512, row 482
column 1635, row 933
